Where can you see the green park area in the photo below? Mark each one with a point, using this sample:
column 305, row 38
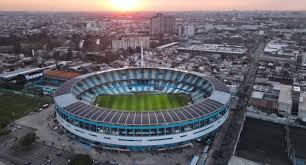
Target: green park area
column 13, row 106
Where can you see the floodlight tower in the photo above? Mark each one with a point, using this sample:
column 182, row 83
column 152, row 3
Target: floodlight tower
column 142, row 60
column 35, row 58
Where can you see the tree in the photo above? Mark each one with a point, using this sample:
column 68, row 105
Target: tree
column 88, row 43
column 75, row 39
column 4, row 131
column 17, row 48
column 28, row 139
column 21, row 80
column 81, row 159
column 69, row 55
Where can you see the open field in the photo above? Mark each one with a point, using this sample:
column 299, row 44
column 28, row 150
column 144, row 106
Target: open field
column 142, row 102
column 14, row 106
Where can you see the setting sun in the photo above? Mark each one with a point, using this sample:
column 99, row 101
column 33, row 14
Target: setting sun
column 125, row 5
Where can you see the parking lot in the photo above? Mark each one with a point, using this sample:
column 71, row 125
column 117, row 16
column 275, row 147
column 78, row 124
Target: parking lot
column 46, row 130
column 36, row 154
column 48, row 135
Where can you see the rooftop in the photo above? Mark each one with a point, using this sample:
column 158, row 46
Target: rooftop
column 257, row 95
column 240, row 161
column 217, row 48
column 18, row 72
column 302, row 106
column 285, row 94
column 296, row 89
column 167, row 45
column 76, row 67
column 64, row 75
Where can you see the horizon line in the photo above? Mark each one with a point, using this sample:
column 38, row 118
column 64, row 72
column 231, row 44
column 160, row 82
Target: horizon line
column 136, row 11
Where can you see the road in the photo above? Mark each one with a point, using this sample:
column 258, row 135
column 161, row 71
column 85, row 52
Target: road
column 225, row 143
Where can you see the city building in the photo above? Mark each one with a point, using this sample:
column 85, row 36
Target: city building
column 285, row 99
column 281, row 50
column 28, row 74
column 265, row 98
column 296, row 94
column 139, row 131
column 162, row 24
column 52, row 79
column 92, row 25
column 214, row 49
column 131, row 42
column 302, row 107
column 301, row 62
column 186, row 31
column 278, row 98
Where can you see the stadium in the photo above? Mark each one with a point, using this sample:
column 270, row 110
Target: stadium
column 138, row 109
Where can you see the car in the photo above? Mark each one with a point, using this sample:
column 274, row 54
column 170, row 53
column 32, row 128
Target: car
column 45, row 106
column 113, row 162
column 199, row 140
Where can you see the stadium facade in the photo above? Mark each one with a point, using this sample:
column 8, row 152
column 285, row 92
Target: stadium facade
column 124, row 130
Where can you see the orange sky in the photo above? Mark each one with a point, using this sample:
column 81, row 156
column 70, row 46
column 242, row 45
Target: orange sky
column 152, row 5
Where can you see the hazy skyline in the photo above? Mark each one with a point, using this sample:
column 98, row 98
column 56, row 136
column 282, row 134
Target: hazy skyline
column 151, row 5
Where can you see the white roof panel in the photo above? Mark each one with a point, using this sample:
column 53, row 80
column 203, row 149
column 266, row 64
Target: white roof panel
column 65, row 100
column 221, row 97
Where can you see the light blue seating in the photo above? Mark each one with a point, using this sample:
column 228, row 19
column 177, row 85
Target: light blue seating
column 142, row 80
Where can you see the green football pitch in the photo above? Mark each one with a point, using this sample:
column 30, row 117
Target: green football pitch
column 143, row 102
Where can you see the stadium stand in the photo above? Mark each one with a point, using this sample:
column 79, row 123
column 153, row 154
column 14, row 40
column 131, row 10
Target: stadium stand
column 152, row 130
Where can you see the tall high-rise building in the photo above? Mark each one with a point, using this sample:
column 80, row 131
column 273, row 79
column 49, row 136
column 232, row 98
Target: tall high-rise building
column 162, row 24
